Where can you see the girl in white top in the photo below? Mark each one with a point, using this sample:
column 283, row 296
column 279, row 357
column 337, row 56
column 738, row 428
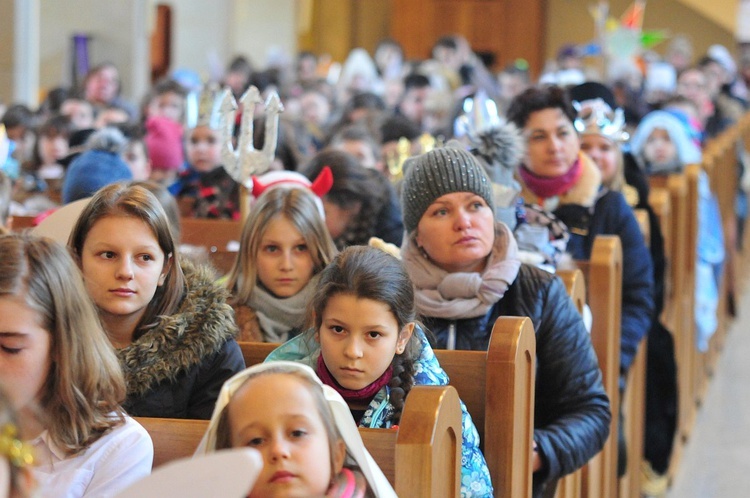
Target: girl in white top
column 62, row 376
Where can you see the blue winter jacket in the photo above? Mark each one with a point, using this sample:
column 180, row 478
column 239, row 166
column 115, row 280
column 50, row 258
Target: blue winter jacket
column 475, row 477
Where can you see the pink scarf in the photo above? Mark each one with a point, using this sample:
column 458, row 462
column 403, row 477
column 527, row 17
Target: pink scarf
column 351, row 395
column 348, row 484
column 546, row 187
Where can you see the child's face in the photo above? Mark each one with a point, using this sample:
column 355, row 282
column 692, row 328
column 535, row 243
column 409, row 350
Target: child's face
column 135, row 158
column 284, row 262
column 277, row 415
column 25, row 356
column 315, row 108
column 169, row 105
column 52, row 148
column 359, row 338
column 122, row 266
column 204, row 149
column 659, row 148
column 80, row 112
column 339, row 218
column 604, row 153
column 362, row 150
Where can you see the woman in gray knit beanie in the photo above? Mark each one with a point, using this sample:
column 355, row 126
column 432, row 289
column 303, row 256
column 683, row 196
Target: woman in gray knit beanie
column 451, row 229
column 466, row 273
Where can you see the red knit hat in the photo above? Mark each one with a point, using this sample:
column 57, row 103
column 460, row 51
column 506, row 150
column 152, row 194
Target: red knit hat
column 164, row 143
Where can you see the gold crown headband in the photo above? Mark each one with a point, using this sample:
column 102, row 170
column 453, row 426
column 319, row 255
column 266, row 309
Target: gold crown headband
column 19, row 454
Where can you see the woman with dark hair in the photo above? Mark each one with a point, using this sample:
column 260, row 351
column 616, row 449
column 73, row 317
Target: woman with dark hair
column 557, row 176
column 564, row 181
column 361, row 204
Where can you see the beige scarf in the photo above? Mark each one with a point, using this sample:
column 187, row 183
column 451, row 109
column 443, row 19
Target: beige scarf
column 458, row 295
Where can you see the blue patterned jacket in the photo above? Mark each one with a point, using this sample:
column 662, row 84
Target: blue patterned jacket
column 475, row 477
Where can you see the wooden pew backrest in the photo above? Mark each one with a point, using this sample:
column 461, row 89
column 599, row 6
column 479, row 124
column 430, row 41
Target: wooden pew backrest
column 603, row 274
column 497, row 387
column 256, row 352
column 173, row 438
column 422, row 457
column 507, row 372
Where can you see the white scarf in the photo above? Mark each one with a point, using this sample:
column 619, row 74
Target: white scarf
column 458, row 295
column 278, row 316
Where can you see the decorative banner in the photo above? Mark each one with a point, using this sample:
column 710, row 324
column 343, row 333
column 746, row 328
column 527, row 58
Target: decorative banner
column 80, row 58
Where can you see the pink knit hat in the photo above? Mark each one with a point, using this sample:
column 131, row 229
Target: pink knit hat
column 164, row 143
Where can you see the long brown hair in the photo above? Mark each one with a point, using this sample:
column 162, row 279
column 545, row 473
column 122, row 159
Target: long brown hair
column 369, row 273
column 121, row 199
column 84, row 388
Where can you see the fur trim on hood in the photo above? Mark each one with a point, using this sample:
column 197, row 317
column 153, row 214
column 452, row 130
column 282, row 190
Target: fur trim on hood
column 584, row 192
column 200, row 327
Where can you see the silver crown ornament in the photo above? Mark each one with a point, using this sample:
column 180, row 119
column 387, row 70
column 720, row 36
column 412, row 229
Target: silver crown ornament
column 245, row 160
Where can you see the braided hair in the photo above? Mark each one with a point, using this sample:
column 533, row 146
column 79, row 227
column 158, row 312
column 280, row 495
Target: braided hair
column 369, row 273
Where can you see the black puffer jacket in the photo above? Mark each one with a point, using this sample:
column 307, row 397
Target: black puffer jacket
column 176, row 369
column 571, row 415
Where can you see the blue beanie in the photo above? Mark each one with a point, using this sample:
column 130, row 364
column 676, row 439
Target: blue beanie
column 91, row 171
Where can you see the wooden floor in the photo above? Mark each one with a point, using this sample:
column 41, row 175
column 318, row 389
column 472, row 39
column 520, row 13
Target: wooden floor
column 716, row 462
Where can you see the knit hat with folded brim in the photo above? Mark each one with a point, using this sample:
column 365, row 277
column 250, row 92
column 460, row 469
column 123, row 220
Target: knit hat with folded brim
column 436, row 173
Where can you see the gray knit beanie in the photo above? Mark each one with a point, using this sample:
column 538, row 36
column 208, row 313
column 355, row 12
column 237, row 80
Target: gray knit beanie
column 441, row 171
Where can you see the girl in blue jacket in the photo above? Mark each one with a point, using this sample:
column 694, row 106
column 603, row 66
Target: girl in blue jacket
column 364, row 342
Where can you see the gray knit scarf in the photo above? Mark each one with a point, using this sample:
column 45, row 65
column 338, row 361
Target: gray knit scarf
column 440, row 294
column 279, row 316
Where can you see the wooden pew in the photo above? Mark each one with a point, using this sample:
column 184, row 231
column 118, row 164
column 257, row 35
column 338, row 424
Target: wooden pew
column 678, row 315
column 422, row 457
column 211, row 241
column 21, row 223
column 256, row 352
column 497, row 387
column 571, row 486
column 660, row 203
column 634, row 401
column 603, row 274
column 173, row 438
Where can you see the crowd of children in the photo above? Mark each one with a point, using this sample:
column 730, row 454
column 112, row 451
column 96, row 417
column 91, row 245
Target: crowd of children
column 120, row 323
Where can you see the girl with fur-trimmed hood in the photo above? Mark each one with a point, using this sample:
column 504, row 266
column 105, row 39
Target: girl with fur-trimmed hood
column 171, row 325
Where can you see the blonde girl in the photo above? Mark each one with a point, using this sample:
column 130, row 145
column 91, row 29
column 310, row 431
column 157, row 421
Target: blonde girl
column 303, row 429
column 61, row 375
column 284, row 246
